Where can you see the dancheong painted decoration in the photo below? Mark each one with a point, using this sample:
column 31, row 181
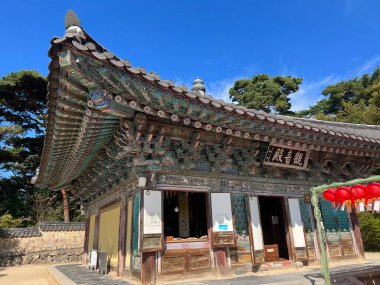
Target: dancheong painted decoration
column 176, row 181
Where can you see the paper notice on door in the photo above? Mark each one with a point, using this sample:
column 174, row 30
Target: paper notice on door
column 376, row 206
column 275, row 220
column 361, row 207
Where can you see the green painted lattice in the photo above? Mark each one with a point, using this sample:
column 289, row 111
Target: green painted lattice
column 305, row 216
column 240, row 211
column 136, row 222
column 334, row 220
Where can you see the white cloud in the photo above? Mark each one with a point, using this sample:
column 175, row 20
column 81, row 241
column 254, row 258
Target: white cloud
column 369, row 66
column 310, row 92
column 180, row 82
column 220, row 89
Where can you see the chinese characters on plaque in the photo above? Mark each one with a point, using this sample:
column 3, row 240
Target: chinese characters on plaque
column 285, row 156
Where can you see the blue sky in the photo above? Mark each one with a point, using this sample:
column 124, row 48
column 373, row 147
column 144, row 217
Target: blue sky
column 220, row 41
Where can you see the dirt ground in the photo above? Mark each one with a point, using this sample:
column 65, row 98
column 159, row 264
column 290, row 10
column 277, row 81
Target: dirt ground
column 24, row 275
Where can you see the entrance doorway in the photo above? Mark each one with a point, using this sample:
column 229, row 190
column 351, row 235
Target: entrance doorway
column 187, row 247
column 273, row 225
column 185, row 215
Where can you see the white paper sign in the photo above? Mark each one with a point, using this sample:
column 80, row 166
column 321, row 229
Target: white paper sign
column 93, row 258
column 376, row 206
column 361, row 207
column 152, row 212
column 221, row 212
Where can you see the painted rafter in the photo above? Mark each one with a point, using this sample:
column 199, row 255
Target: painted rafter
column 226, row 120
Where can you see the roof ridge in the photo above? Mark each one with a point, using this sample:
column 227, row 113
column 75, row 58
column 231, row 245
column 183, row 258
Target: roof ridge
column 83, row 42
column 329, row 122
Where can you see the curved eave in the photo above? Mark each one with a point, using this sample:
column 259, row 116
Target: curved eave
column 78, row 129
column 74, row 133
column 85, row 45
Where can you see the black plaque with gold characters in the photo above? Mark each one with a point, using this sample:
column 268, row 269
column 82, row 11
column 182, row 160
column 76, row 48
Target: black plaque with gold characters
column 286, row 156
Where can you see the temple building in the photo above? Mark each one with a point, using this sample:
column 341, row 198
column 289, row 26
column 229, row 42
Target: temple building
column 175, row 181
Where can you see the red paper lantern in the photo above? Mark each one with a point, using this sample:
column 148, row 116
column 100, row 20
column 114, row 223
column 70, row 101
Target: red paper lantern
column 368, row 194
column 342, row 194
column 329, row 195
column 358, row 192
column 374, row 189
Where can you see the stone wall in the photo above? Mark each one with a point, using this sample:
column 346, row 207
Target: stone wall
column 49, row 243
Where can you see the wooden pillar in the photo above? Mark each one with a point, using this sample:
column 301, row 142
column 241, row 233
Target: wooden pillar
column 96, row 231
column 357, row 233
column 317, row 246
column 148, row 268
column 221, row 260
column 288, row 228
column 122, row 235
column 66, row 206
column 86, row 238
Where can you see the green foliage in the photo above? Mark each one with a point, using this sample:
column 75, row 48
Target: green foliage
column 23, row 100
column 370, row 229
column 265, row 93
column 22, row 108
column 22, row 116
column 7, row 221
column 353, row 101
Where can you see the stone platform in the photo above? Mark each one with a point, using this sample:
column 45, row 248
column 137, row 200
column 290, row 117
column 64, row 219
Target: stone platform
column 76, row 274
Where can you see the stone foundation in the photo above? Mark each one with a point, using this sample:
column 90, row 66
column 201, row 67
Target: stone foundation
column 49, row 243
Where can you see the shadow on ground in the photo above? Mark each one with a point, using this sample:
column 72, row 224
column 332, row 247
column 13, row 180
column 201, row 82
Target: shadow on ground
column 80, row 275
column 1, row 269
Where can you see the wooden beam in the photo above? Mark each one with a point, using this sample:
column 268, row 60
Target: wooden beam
column 128, row 89
column 122, row 235
column 86, row 238
column 221, row 260
column 148, row 268
column 193, row 108
column 288, row 228
column 357, row 233
column 227, row 118
column 96, row 230
column 203, row 114
column 143, row 93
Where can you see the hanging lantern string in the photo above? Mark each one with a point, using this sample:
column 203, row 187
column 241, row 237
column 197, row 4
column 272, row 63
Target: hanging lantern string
column 320, row 189
column 315, row 191
column 345, row 195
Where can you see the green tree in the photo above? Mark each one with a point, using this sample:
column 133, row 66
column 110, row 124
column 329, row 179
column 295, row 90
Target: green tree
column 7, row 221
column 352, row 101
column 22, row 109
column 370, row 230
column 269, row 94
column 23, row 120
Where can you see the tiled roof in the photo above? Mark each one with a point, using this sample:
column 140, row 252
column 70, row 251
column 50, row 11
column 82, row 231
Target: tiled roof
column 80, row 40
column 77, row 130
column 353, row 131
column 60, row 226
column 20, row 232
column 43, row 227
